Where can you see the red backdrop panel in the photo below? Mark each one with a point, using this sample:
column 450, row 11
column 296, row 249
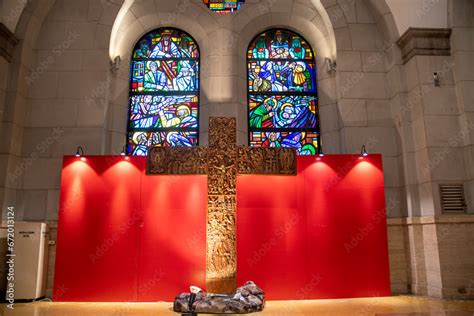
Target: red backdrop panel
column 172, row 236
column 125, row 236
column 321, row 234
column 97, row 244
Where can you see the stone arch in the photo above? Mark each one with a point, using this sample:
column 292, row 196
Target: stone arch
column 135, row 19
column 310, row 19
column 317, row 20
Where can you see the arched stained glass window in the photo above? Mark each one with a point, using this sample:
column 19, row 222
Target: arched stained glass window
column 224, row 6
column 282, row 92
column 164, row 91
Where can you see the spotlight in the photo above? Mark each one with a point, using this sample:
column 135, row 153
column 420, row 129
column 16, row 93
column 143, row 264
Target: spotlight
column 123, row 153
column 79, row 152
column 114, row 65
column 436, row 79
column 331, row 65
column 321, row 153
column 363, row 151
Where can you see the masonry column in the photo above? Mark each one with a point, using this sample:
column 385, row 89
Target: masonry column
column 9, row 151
column 437, row 137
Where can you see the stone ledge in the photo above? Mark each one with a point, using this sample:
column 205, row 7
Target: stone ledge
column 8, row 42
column 425, row 42
column 429, row 220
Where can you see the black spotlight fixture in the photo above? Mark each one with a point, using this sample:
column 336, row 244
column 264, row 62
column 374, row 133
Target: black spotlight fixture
column 363, row 151
column 123, row 153
column 79, row 152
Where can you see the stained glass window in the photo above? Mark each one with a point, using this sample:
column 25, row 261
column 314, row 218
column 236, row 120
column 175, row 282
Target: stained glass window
column 223, row 6
column 164, row 92
column 282, row 92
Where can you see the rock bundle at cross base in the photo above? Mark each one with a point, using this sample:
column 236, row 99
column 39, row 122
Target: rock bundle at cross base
column 247, row 299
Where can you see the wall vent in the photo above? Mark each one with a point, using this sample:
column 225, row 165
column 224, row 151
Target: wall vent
column 452, row 198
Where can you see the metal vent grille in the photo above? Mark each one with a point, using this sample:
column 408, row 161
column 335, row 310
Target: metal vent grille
column 452, row 198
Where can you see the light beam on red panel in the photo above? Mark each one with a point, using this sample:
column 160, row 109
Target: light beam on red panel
column 335, row 198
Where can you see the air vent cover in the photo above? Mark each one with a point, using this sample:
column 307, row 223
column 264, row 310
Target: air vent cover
column 452, row 198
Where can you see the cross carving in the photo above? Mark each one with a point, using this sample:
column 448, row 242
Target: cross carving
column 222, row 161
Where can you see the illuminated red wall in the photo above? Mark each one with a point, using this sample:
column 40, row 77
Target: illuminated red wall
column 125, row 236
column 321, row 234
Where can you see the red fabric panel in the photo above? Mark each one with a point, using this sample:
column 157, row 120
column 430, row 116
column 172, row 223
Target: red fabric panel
column 125, row 236
column 97, row 243
column 173, row 236
column 321, row 234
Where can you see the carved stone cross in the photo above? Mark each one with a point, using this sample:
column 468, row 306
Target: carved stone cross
column 221, row 162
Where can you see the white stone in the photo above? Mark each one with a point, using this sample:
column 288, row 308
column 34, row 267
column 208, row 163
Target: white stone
column 392, row 173
column 343, row 39
column 379, row 113
column 428, row 65
column 52, row 112
column 373, row 61
column 353, row 112
column 33, row 203
column 52, row 205
column 349, row 61
column 363, row 13
column 365, row 37
column 358, row 85
column 44, row 173
column 330, row 118
column 443, row 130
column 419, row 133
column 87, row 85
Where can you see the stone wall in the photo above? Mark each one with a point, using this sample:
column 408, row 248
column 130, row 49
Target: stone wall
column 58, row 92
column 397, row 237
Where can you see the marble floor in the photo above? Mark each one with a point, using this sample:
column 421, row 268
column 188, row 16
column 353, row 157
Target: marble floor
column 393, row 306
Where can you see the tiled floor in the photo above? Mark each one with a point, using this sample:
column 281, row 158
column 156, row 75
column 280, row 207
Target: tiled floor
column 388, row 306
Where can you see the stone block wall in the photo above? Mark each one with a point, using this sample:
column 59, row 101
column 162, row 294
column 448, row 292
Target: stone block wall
column 58, row 92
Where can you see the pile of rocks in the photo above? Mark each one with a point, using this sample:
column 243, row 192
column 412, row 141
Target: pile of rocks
column 247, row 299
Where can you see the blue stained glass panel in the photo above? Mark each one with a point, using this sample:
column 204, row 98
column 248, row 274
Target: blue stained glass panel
column 305, row 143
column 140, row 141
column 281, row 76
column 279, row 44
column 163, row 76
column 166, row 43
column 164, row 91
column 283, row 111
column 282, row 92
column 149, row 111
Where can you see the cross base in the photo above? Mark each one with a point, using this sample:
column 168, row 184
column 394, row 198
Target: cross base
column 221, row 286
